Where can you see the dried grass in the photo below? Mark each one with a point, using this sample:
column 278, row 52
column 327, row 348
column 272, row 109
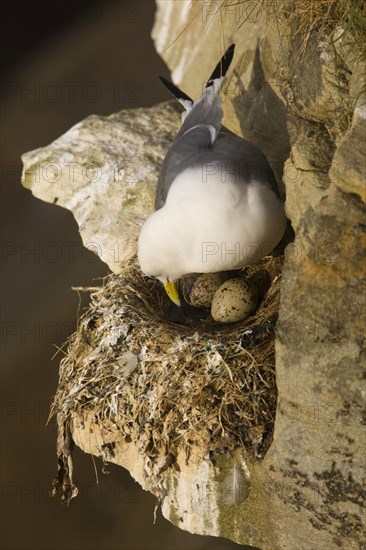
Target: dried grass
column 325, row 16
column 204, row 384
column 306, row 17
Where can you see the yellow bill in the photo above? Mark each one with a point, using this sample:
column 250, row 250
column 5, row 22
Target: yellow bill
column 172, row 292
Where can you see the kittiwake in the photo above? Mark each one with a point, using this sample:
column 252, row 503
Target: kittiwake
column 218, row 207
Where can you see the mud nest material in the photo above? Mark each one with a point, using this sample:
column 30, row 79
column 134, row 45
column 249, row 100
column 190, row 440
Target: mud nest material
column 167, row 387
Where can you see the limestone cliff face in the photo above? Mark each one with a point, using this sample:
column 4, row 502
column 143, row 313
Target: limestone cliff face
column 104, row 170
column 306, row 109
column 303, row 103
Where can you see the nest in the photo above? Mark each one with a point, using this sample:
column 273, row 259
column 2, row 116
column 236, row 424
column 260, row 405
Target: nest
column 170, row 387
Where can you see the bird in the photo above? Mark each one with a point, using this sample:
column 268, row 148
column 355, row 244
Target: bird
column 217, row 205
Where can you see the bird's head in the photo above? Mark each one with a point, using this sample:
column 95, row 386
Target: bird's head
column 158, row 255
column 171, row 290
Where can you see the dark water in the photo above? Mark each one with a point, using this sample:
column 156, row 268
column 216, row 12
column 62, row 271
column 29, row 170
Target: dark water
column 63, row 61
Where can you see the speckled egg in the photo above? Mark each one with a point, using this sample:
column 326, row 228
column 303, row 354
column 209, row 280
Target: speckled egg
column 233, row 301
column 199, row 290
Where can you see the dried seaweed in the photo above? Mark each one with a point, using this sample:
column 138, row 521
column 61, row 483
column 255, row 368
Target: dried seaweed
column 169, row 387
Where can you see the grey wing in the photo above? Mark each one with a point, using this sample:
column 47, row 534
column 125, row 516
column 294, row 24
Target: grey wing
column 195, row 138
column 207, row 111
column 236, row 155
column 243, row 159
column 184, row 153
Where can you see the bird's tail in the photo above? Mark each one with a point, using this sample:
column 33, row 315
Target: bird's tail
column 221, row 69
column 183, row 98
column 213, row 84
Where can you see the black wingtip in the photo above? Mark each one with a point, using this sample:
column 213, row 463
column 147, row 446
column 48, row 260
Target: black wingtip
column 175, row 90
column 224, row 63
